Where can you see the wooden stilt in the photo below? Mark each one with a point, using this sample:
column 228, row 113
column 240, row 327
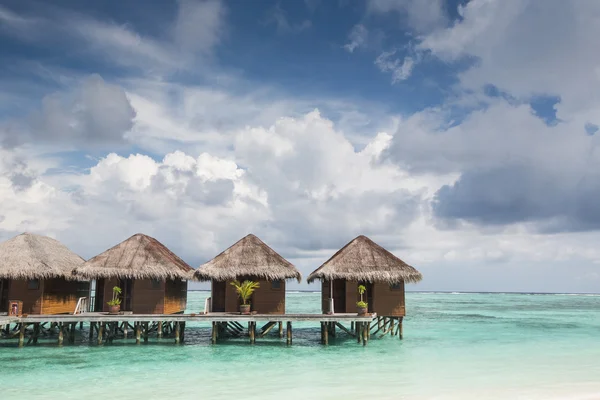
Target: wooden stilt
column 326, row 333
column 215, row 326
column 400, row 333
column 72, row 332
column 252, row 331
column 359, row 331
column 125, row 330
column 322, row 332
column 368, row 326
column 81, row 325
column 332, row 327
column 342, row 327
column 267, row 328
column 36, row 332
column 138, row 332
column 392, row 326
column 91, row 333
column 365, row 334
column 100, row 331
column 60, row 333
column 289, row 332
column 177, row 332
column 160, row 331
column 146, row 332
column 352, row 326
column 182, row 333
column 22, row 334
column 280, row 330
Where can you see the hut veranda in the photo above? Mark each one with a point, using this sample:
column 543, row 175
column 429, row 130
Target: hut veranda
column 364, row 262
column 153, row 280
column 35, row 275
column 248, row 259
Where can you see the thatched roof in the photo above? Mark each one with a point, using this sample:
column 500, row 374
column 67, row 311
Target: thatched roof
column 139, row 257
column 364, row 260
column 250, row 256
column 30, row 256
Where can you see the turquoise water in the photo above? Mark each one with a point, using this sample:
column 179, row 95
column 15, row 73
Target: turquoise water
column 456, row 346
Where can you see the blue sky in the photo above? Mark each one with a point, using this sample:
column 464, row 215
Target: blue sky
column 458, row 134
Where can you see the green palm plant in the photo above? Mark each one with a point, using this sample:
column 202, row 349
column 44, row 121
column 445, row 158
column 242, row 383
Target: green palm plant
column 245, row 289
column 361, row 290
column 115, row 298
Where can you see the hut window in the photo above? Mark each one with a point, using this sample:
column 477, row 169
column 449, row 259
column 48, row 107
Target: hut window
column 275, row 285
column 33, row 284
column 155, row 284
column 396, row 286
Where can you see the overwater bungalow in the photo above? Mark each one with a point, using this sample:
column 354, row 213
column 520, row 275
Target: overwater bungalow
column 35, row 275
column 248, row 259
column 363, row 262
column 152, row 279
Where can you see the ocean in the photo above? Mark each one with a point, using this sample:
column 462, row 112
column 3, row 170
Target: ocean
column 456, row 346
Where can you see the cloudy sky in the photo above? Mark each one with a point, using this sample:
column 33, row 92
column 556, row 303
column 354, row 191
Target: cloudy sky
column 461, row 135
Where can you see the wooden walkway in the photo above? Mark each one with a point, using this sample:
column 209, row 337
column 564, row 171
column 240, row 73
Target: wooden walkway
column 104, row 327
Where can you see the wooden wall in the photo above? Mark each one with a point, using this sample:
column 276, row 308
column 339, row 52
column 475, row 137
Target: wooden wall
column 168, row 297
column 175, row 296
column 147, row 299
column 31, row 298
column 265, row 300
column 388, row 302
column 60, row 295
column 384, row 301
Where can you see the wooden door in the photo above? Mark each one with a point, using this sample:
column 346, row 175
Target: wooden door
column 217, row 296
column 126, row 286
column 339, row 296
column 99, row 295
column 4, row 295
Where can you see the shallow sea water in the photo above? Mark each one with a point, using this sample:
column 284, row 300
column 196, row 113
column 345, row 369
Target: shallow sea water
column 456, row 346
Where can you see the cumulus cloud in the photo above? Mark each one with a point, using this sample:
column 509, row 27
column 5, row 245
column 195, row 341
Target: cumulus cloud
column 94, row 113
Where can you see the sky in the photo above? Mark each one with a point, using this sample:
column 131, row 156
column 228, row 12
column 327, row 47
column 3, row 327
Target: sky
column 460, row 135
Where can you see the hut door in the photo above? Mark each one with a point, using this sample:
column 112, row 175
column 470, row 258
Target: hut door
column 339, row 296
column 99, row 295
column 4, row 295
column 218, row 296
column 126, row 291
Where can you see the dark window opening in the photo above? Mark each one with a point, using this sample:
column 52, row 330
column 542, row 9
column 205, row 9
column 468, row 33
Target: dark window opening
column 396, row 286
column 33, row 284
column 275, row 285
column 155, row 284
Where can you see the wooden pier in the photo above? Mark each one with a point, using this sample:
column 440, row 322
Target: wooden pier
column 105, row 328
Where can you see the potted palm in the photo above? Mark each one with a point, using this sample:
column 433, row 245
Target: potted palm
column 114, row 305
column 362, row 305
column 245, row 291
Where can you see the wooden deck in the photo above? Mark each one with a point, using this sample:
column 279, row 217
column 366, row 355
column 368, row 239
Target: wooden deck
column 209, row 318
column 104, row 327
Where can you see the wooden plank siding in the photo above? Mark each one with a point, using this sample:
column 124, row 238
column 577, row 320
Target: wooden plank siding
column 147, row 298
column 266, row 299
column 175, row 296
column 60, row 296
column 31, row 298
column 384, row 301
column 152, row 297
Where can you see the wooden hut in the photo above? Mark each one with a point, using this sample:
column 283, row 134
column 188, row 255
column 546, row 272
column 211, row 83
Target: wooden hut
column 248, row 259
column 363, row 262
column 153, row 280
column 36, row 271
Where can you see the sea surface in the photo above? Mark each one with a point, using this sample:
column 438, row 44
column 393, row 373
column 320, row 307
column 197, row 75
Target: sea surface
column 456, row 346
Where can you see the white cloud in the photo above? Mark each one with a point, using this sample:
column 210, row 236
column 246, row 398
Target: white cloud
column 400, row 69
column 278, row 17
column 358, row 38
column 421, row 15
